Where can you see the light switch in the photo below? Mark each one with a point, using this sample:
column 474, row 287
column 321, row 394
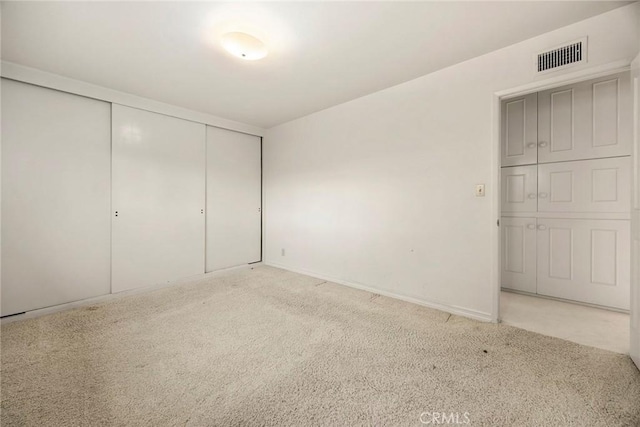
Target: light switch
column 480, row 190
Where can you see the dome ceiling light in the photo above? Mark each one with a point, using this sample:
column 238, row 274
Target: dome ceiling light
column 244, row 46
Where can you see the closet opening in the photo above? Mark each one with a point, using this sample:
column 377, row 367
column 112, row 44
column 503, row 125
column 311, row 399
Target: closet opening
column 565, row 180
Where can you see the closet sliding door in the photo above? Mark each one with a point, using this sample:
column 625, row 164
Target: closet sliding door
column 158, row 198
column 55, row 197
column 233, row 198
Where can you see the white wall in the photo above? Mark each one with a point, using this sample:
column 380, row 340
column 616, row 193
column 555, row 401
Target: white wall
column 379, row 192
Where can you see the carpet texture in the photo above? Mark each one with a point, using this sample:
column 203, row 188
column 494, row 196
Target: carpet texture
column 271, row 347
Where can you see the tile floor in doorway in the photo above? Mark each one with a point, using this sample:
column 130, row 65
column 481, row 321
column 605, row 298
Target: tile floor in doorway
column 590, row 326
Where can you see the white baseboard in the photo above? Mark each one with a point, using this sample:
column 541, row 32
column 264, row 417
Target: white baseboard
column 568, row 301
column 114, row 296
column 459, row 311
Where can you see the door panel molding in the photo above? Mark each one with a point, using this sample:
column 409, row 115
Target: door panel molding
column 519, row 254
column 585, row 120
column 520, row 130
column 584, row 260
column 596, row 185
column 519, row 189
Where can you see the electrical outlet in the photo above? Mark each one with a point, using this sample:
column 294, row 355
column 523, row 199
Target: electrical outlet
column 282, row 252
column 480, row 190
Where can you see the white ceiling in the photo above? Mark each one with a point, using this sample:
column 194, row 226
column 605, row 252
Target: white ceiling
column 321, row 53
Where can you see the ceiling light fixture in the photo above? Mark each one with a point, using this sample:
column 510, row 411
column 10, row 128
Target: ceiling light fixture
column 244, row 46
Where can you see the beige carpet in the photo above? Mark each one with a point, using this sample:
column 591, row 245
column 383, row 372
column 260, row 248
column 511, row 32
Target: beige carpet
column 270, row 347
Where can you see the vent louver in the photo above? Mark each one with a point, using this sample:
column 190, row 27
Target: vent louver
column 560, row 57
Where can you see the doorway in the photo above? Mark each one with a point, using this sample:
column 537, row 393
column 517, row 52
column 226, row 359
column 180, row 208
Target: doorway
column 564, row 240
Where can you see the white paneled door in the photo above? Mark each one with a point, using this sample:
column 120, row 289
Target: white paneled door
column 600, row 185
column 55, row 197
column 585, row 120
column 233, row 199
column 158, row 177
column 519, row 188
column 579, row 168
column 584, row 260
column 520, row 131
column 519, row 254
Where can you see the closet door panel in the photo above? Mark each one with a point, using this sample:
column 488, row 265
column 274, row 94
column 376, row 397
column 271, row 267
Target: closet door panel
column 586, row 120
column 55, row 197
column 519, row 254
column 233, row 198
column 584, row 260
column 158, row 198
column 519, row 189
column 600, row 185
column 519, row 133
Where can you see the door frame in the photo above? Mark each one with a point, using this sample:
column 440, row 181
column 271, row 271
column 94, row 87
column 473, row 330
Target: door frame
column 634, row 327
column 499, row 96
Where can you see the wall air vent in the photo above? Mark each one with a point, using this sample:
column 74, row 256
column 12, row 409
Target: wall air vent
column 569, row 54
